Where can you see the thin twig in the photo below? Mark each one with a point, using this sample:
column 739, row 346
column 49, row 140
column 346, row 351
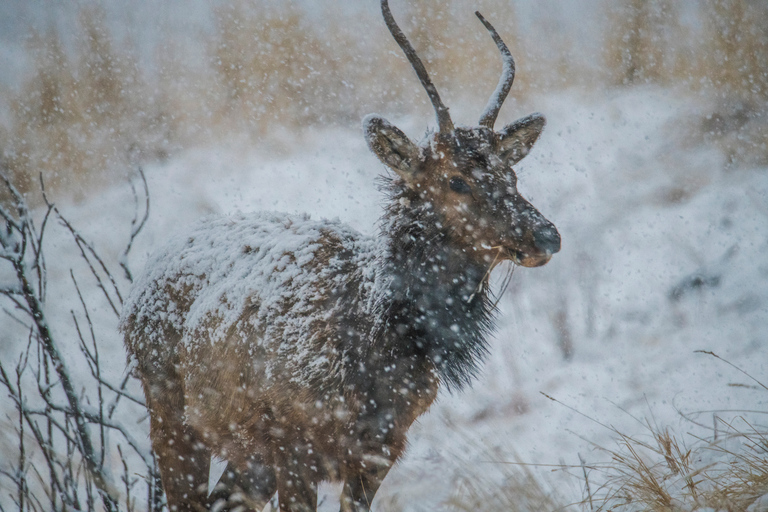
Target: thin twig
column 708, row 352
column 586, row 481
column 136, row 228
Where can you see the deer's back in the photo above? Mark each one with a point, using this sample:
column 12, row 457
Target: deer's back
column 265, row 293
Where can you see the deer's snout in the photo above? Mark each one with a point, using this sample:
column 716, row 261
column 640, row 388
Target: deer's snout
column 536, row 239
column 547, row 239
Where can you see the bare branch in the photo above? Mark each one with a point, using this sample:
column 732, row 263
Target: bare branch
column 76, row 466
column 120, row 392
column 136, row 228
column 48, row 453
column 21, row 208
column 10, row 290
column 51, row 348
column 85, row 250
column 13, row 317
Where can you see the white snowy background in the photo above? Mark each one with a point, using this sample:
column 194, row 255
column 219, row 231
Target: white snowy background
column 645, row 204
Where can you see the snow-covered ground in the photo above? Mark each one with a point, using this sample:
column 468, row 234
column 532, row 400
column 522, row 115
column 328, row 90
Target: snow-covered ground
column 663, row 254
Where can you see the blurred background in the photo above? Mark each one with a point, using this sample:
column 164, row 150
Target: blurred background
column 87, row 88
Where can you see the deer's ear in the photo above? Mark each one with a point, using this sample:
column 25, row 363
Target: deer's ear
column 516, row 139
column 392, row 146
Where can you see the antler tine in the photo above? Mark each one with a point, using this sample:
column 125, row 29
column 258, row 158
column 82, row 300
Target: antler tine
column 491, row 110
column 443, row 117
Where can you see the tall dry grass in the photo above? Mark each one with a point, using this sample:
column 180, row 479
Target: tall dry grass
column 735, row 68
column 725, row 469
column 659, row 473
column 80, row 119
column 519, row 491
column 637, row 42
column 715, row 48
column 90, row 110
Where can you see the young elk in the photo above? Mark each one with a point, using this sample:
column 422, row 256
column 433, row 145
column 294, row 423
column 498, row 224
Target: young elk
column 301, row 351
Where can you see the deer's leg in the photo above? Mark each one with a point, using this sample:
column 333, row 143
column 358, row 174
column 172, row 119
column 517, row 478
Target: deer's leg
column 296, row 492
column 251, row 484
column 183, row 458
column 361, row 487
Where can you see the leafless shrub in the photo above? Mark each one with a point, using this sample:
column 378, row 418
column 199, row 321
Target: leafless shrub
column 69, row 438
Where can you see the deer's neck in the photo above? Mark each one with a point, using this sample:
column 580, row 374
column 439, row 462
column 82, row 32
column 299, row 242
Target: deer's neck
column 435, row 303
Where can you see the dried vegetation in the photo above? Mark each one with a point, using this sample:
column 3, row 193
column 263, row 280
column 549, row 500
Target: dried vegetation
column 92, row 109
column 659, row 472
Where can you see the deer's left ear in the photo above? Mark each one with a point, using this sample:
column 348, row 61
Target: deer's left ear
column 392, row 146
column 516, row 139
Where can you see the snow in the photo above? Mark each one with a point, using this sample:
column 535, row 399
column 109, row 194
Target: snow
column 640, row 209
column 225, row 264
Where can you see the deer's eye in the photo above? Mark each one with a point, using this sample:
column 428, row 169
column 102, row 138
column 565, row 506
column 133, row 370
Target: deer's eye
column 459, row 185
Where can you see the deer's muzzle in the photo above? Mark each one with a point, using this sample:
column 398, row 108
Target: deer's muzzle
column 539, row 241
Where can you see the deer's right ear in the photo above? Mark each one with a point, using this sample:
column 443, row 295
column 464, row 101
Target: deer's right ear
column 392, row 146
column 516, row 139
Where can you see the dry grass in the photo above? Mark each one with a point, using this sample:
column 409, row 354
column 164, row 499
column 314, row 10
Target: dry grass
column 519, row 491
column 720, row 52
column 638, row 36
column 80, row 120
column 659, row 473
column 91, row 110
column 663, row 475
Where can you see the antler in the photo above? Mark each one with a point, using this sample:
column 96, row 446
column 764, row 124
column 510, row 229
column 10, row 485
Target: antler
column 488, row 118
column 443, row 117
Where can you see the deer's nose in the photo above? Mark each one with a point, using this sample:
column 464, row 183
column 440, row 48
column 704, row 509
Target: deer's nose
column 547, row 240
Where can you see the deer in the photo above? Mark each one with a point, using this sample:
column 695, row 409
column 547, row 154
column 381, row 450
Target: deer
column 301, row 351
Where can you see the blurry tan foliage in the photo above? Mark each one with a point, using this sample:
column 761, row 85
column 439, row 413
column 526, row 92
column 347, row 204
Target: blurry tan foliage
column 637, row 41
column 79, row 120
column 736, row 67
column 90, row 112
column 645, row 42
column 723, row 54
column 737, row 61
column 272, row 67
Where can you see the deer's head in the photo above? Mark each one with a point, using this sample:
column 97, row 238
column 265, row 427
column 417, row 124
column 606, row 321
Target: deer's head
column 466, row 173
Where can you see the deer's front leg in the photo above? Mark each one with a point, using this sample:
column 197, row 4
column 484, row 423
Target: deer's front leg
column 365, row 475
column 361, row 487
column 295, row 492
